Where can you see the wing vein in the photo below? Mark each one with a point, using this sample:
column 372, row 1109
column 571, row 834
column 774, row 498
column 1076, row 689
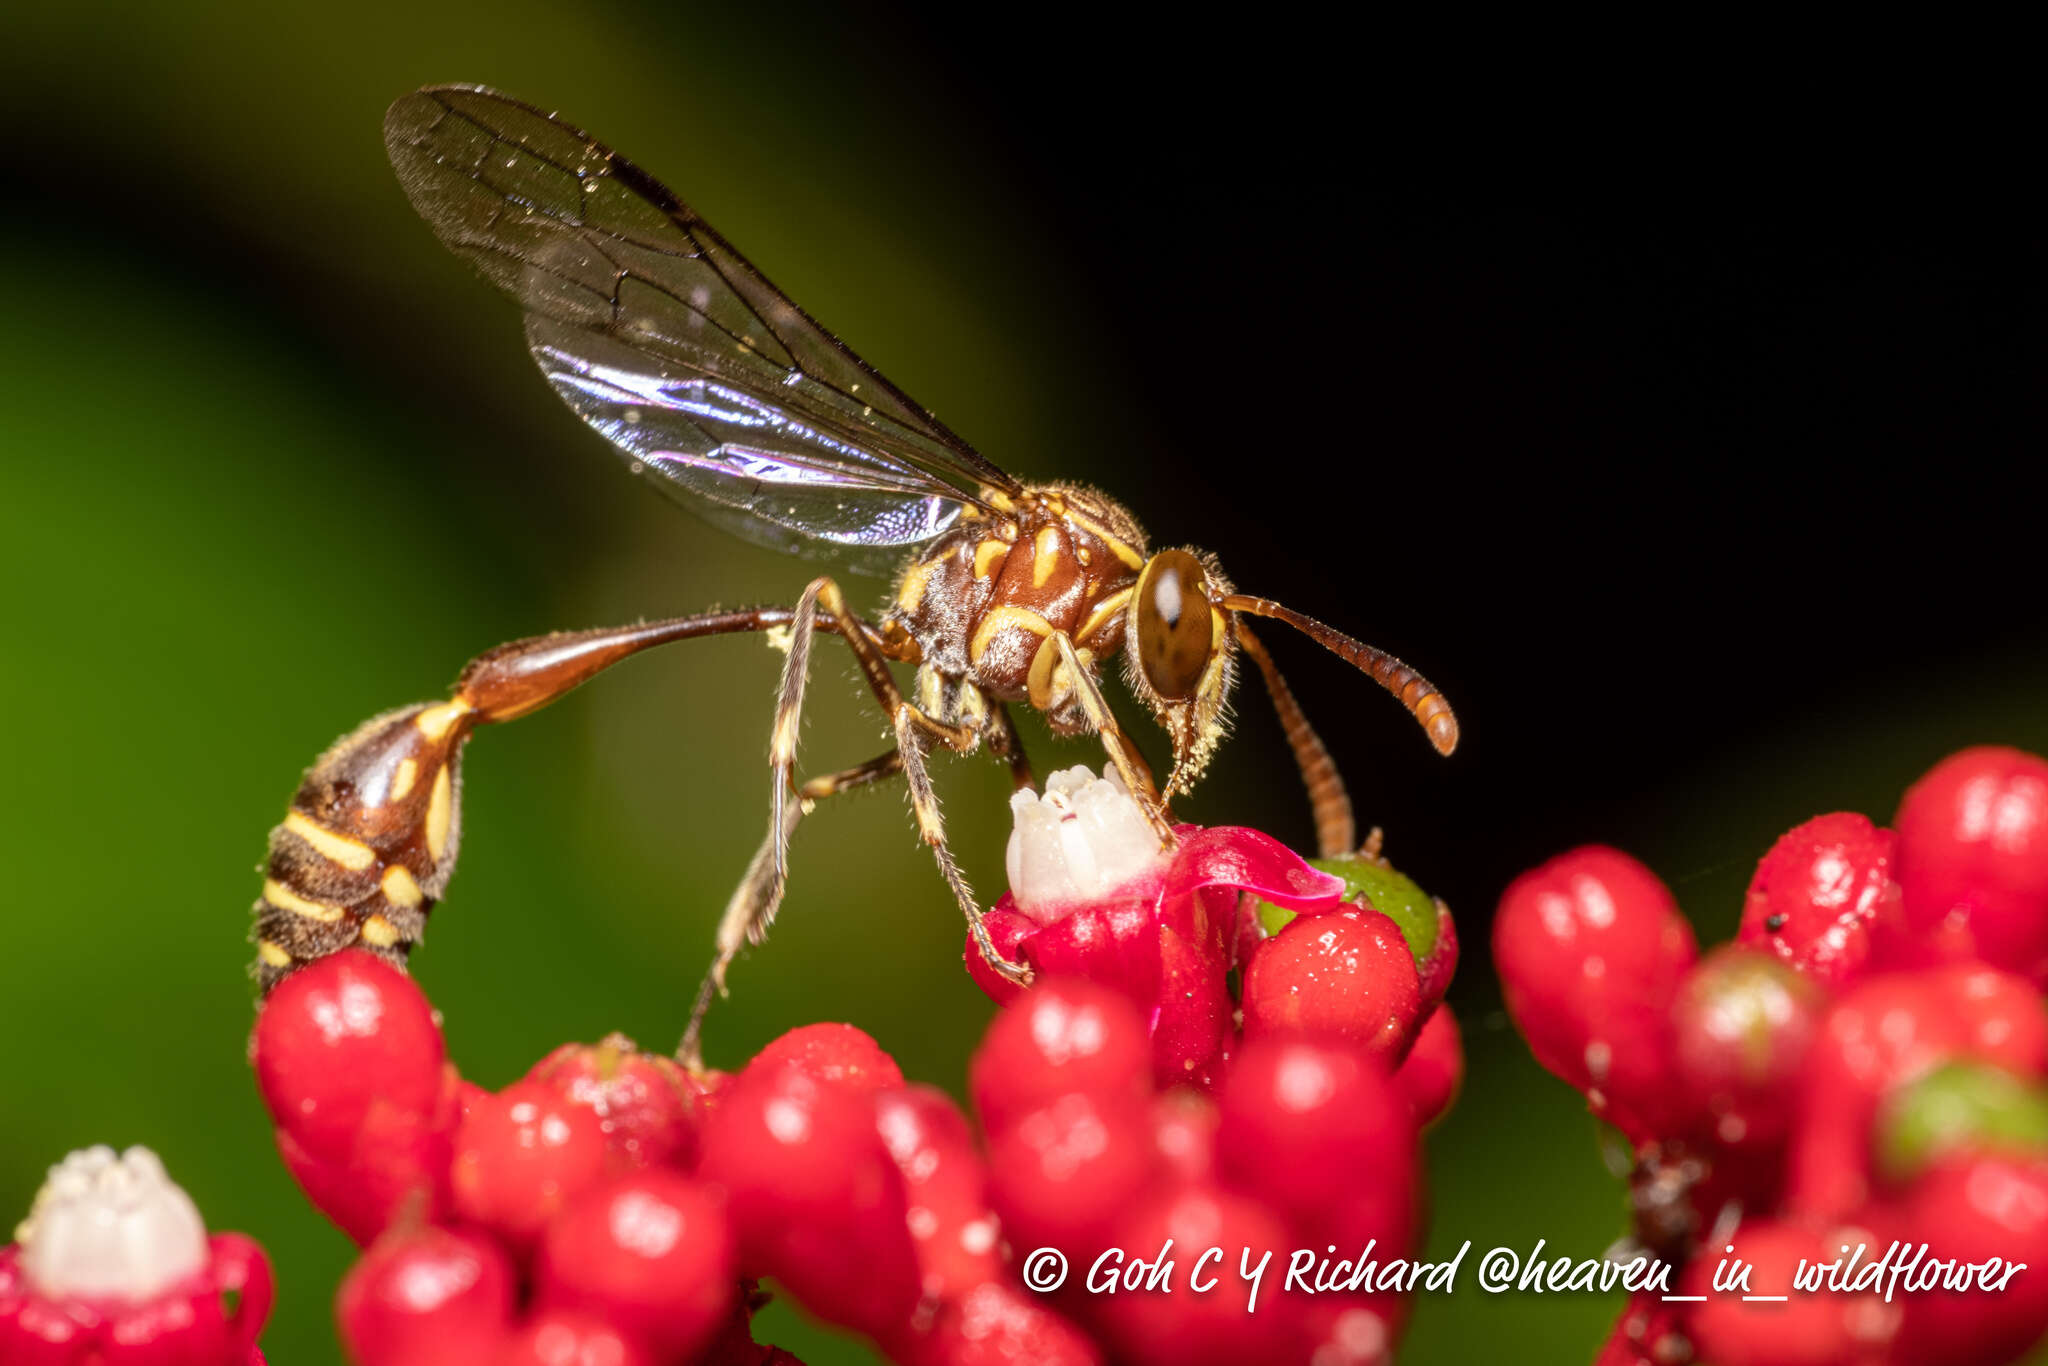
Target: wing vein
column 707, row 379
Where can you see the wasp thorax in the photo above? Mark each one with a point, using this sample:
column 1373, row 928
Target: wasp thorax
column 1174, row 634
column 1084, row 839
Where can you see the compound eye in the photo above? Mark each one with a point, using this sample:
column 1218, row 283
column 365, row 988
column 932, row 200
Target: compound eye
column 1175, row 635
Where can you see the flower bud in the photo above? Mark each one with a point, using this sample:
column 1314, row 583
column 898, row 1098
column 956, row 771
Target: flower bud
column 1084, row 841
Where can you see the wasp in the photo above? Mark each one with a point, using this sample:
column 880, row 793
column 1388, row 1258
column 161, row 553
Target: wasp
column 718, row 390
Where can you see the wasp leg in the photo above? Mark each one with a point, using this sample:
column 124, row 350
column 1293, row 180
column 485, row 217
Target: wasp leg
column 1137, row 778
column 823, row 605
column 1336, row 828
column 913, row 728
column 1004, row 742
column 742, row 923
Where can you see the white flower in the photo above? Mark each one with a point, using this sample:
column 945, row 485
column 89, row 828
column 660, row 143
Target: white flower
column 111, row 1227
column 1087, row 837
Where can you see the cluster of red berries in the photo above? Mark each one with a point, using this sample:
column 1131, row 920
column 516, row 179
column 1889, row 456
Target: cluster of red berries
column 1307, row 1144
column 614, row 1208
column 1858, row 1083
column 1344, row 948
column 553, row 1223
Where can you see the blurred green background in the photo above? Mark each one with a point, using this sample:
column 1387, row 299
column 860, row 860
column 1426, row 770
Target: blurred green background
column 274, row 463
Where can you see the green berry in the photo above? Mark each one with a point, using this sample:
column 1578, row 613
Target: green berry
column 1956, row 1107
column 1376, row 887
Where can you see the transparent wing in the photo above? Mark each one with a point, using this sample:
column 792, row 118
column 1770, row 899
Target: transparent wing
column 745, row 463
column 658, row 334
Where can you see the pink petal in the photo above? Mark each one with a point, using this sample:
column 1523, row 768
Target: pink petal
column 1232, row 856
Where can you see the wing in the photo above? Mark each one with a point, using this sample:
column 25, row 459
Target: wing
column 696, row 369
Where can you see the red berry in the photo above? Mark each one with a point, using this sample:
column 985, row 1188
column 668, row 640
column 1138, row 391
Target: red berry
column 1744, row 1023
column 816, row 1200
column 1198, row 1314
column 340, row 1040
column 836, row 1054
column 468, row 1093
column 521, row 1156
column 1347, row 1332
column 1441, row 964
column 1818, row 894
column 649, row 1252
column 1342, row 974
column 946, row 1184
column 1974, row 1209
column 1887, row 1031
column 1435, row 1067
column 1294, row 1111
column 1590, row 949
column 397, row 1165
column 1973, row 855
column 1805, row 1329
column 1373, row 884
column 1059, row 1174
column 1063, row 1036
column 426, row 1296
column 994, row 1324
column 1996, row 1016
column 1184, row 1134
column 642, row 1100
column 556, row 1337
column 707, row 1086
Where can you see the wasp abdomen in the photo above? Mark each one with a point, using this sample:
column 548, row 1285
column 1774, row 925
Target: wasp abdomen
column 368, row 843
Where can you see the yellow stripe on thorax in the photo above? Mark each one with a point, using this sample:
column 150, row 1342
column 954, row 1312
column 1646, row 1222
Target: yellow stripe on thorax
column 999, row 618
column 1124, row 550
column 1111, row 606
column 1045, row 555
column 911, row 591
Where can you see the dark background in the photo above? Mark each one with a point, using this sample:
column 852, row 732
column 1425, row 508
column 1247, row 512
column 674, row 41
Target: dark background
column 1695, row 464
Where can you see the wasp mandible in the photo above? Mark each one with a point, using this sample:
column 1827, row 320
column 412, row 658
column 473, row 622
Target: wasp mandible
column 725, row 395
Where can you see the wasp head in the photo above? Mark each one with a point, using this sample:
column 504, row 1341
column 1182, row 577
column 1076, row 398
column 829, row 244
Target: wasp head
column 1181, row 655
